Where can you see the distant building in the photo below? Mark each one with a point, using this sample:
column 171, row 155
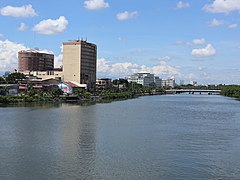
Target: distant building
column 157, row 81
column 145, row 79
column 168, row 83
column 103, row 83
column 35, row 60
column 194, row 83
column 79, row 62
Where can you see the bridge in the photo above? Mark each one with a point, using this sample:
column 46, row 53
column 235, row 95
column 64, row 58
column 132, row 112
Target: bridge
column 192, row 91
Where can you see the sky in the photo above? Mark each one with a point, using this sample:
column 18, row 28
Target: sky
column 190, row 40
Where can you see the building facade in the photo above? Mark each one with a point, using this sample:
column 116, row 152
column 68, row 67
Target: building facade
column 157, row 81
column 103, row 83
column 168, row 83
column 55, row 74
column 35, row 60
column 145, row 79
column 80, row 62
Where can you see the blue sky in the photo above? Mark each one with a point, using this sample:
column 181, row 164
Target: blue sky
column 188, row 40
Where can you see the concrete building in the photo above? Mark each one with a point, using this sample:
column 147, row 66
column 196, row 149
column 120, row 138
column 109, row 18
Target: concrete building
column 35, row 60
column 103, row 83
column 168, row 83
column 79, row 62
column 157, row 81
column 54, row 74
column 145, row 79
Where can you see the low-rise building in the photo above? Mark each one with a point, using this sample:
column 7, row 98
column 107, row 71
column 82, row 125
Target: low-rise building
column 103, row 83
column 145, row 79
column 54, row 74
column 168, row 83
column 157, row 81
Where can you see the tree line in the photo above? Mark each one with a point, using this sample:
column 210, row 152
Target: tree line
column 231, row 91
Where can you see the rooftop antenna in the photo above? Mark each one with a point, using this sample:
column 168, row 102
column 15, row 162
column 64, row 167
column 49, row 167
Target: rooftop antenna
column 86, row 39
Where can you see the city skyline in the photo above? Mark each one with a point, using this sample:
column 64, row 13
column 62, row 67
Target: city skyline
column 187, row 40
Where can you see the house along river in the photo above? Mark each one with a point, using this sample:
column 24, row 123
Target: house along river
column 152, row 137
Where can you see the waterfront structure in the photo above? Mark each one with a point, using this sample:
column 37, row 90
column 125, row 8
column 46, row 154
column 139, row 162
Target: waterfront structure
column 145, row 79
column 168, row 83
column 35, row 60
column 103, row 83
column 79, row 62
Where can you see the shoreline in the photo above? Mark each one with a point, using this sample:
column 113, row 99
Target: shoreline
column 75, row 99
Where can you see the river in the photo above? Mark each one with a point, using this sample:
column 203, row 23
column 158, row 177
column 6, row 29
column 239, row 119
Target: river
column 151, row 137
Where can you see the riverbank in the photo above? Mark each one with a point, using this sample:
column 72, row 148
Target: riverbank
column 231, row 91
column 80, row 98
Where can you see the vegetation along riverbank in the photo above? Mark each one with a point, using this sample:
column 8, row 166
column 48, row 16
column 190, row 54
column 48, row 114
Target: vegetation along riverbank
column 231, row 91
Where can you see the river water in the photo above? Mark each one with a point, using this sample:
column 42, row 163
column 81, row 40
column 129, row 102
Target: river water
column 152, row 137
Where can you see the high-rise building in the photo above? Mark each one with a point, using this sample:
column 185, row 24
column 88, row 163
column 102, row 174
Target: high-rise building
column 79, row 62
column 35, row 60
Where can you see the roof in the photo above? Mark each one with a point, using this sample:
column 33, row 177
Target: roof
column 74, row 42
column 75, row 84
column 36, row 51
column 23, row 88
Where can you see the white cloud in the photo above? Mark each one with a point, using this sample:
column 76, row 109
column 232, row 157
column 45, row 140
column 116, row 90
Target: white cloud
column 23, row 11
column 232, row 26
column 58, row 61
column 182, row 5
column 9, row 55
column 199, row 41
column 107, row 69
column 182, row 43
column 22, row 27
column 95, row 4
column 51, row 26
column 222, row 6
column 122, row 16
column 209, row 50
column 215, row 23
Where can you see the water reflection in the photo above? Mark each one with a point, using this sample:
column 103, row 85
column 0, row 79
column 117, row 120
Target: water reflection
column 157, row 137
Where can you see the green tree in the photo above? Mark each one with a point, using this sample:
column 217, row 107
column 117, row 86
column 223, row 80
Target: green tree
column 13, row 78
column 56, row 92
column 4, row 91
column 2, row 80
